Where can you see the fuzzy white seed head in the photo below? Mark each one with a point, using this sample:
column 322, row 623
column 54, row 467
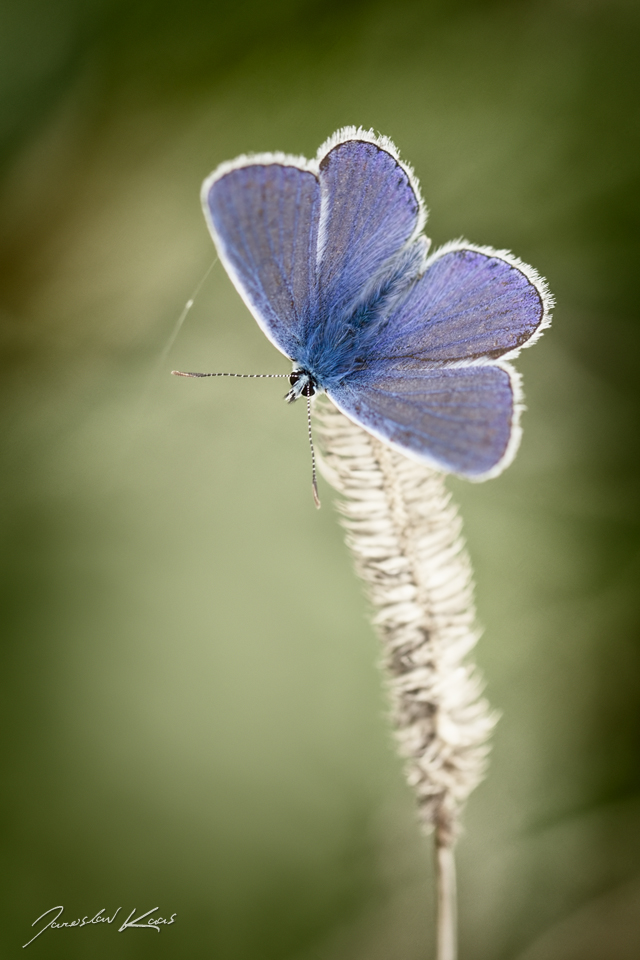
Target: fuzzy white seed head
column 405, row 536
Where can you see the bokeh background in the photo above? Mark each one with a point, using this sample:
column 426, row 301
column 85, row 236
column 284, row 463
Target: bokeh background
column 193, row 717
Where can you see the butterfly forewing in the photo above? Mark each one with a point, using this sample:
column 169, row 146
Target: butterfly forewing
column 370, row 209
column 264, row 220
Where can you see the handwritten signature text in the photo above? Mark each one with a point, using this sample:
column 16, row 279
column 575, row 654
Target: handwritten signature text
column 150, row 922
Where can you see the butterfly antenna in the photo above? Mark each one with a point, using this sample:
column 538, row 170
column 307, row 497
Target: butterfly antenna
column 258, row 376
column 314, row 482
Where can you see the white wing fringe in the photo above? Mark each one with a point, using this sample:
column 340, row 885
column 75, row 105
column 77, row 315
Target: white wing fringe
column 405, row 535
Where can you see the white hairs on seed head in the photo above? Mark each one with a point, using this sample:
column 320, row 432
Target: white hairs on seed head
column 405, row 535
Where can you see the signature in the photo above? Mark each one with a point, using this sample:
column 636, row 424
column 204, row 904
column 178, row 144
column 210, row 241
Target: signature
column 152, row 923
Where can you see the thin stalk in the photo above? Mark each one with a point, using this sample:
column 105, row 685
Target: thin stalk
column 447, row 915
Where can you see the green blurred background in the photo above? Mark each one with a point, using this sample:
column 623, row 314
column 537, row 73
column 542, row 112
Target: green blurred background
column 193, row 717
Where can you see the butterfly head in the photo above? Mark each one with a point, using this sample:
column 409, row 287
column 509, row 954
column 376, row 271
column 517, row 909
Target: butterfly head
column 303, row 384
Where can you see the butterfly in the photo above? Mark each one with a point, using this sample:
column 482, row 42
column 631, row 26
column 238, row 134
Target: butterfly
column 330, row 257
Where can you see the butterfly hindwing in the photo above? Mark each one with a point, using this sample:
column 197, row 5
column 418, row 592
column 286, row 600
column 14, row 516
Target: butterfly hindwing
column 460, row 419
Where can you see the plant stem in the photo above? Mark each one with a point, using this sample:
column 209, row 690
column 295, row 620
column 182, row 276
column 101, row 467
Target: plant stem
column 447, row 948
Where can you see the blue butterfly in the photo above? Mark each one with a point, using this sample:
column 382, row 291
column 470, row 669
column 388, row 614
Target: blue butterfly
column 330, row 258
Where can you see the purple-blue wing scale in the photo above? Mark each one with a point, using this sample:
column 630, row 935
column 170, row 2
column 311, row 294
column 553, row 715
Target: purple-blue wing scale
column 263, row 217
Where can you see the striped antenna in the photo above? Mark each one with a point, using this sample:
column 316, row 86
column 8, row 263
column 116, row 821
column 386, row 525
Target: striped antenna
column 258, row 376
